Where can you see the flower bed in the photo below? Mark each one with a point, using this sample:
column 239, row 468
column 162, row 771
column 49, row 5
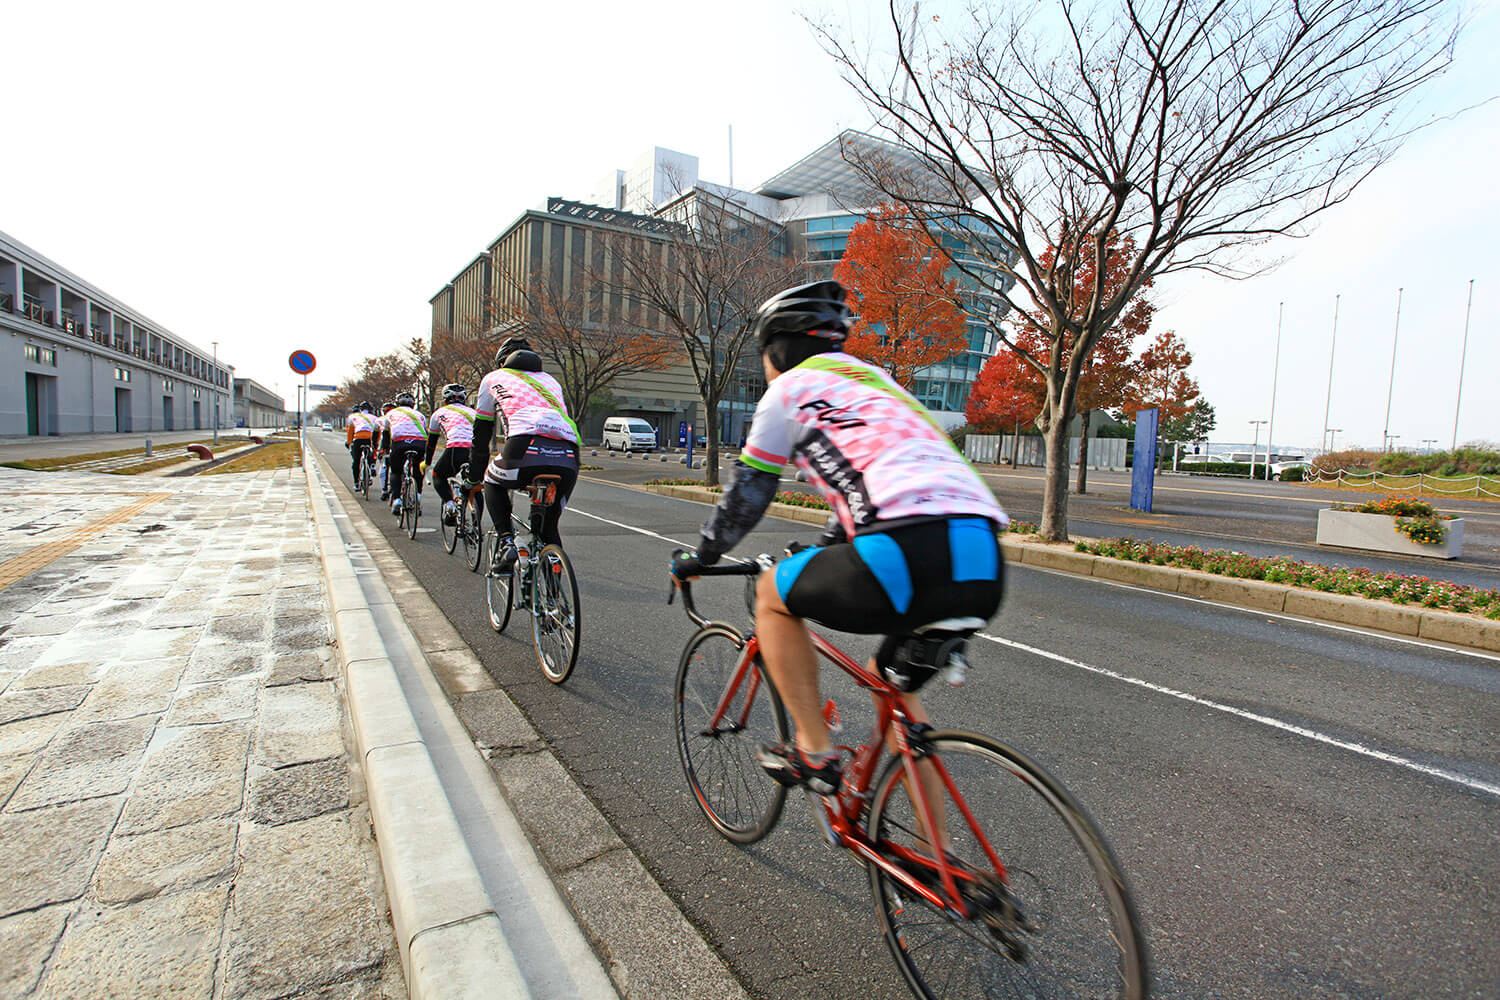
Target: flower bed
column 1394, row 587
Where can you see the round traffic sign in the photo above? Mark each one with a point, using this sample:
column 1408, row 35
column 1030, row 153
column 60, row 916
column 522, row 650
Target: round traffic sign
column 302, row 362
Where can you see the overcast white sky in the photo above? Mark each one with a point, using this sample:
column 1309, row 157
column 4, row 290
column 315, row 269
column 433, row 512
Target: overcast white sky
column 307, row 174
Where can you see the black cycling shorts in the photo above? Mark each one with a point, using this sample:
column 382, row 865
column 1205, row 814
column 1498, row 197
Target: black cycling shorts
column 891, row 582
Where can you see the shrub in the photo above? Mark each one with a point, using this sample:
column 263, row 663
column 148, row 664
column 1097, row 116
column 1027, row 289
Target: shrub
column 1296, row 474
column 1348, row 460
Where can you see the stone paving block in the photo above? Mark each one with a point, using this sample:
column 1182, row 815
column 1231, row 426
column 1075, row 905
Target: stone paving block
column 190, row 774
column 29, row 735
column 494, row 720
column 21, row 653
column 26, row 704
column 298, row 792
column 29, row 938
column 85, row 762
column 51, row 625
column 300, row 668
column 12, row 770
column 163, row 948
column 60, row 675
column 96, row 645
column 249, row 627
column 143, row 866
column 562, row 825
column 228, row 606
column 309, row 875
column 214, row 701
column 49, row 854
column 220, row 659
column 298, row 723
column 161, row 643
column 133, row 688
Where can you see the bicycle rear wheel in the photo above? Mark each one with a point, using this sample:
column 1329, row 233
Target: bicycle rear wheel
column 469, row 528
column 1060, row 924
column 497, row 589
column 411, row 507
column 450, row 531
column 556, row 622
column 739, row 799
column 364, row 475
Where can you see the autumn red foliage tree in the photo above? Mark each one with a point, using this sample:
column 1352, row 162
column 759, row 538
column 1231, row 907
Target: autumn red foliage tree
column 908, row 316
column 1161, row 380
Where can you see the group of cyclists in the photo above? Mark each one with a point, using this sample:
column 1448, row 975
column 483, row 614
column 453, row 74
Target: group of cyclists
column 538, row 438
column 912, row 536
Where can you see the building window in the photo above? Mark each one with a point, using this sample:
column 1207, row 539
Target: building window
column 122, row 374
column 199, row 392
column 41, row 355
column 167, row 385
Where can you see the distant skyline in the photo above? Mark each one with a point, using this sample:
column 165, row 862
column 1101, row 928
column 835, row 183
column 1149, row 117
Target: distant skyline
column 307, row 175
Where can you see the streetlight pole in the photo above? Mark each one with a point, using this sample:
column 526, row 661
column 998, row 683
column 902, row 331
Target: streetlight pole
column 1275, row 370
column 214, row 374
column 1464, row 356
column 1328, row 404
column 1333, row 433
column 1390, row 389
column 1429, row 442
column 1254, row 449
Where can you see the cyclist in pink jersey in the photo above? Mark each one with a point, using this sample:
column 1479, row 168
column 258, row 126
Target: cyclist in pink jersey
column 455, row 422
column 539, row 438
column 404, row 433
column 912, row 539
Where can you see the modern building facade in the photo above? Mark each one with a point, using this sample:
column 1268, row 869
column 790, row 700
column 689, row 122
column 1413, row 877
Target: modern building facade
column 84, row 362
column 815, row 203
column 257, row 406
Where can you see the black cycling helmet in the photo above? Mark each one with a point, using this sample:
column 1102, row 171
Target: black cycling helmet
column 405, row 399
column 509, row 346
column 365, row 407
column 812, row 310
column 454, row 393
column 387, row 407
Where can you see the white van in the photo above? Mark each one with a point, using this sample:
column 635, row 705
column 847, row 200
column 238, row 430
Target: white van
column 629, row 434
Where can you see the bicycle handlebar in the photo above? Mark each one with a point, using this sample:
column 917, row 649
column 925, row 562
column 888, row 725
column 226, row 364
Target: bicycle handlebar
column 758, row 565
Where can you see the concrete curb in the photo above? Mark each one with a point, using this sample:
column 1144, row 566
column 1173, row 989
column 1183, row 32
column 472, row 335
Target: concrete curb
column 451, row 941
column 1341, row 609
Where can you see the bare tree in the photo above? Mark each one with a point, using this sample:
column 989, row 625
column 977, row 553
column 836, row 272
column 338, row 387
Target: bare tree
column 464, row 360
column 584, row 332
column 701, row 282
column 1197, row 129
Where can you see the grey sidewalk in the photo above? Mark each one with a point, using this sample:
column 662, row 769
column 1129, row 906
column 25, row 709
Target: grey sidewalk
column 179, row 811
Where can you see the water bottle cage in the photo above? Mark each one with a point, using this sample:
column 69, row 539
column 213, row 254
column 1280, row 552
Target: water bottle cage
column 908, row 662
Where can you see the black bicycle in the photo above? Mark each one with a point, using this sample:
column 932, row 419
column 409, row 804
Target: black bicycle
column 366, row 473
column 542, row 582
column 411, row 496
column 466, row 526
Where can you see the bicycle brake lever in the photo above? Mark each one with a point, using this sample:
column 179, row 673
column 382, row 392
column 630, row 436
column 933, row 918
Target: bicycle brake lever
column 672, row 595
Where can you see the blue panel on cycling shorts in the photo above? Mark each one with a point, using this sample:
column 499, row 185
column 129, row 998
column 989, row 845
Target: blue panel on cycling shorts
column 787, row 570
column 972, row 546
column 883, row 556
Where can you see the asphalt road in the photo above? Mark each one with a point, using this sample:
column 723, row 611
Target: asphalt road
column 1304, row 811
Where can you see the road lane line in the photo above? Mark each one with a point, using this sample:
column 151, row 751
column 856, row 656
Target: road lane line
column 1435, row 772
column 1265, row 720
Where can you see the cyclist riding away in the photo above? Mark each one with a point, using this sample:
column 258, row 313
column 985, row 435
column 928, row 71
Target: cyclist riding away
column 455, row 422
column 359, row 431
column 912, row 539
column 539, row 439
column 405, row 434
column 382, row 457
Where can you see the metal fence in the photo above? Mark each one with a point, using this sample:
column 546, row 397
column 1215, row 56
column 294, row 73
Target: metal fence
column 1104, row 453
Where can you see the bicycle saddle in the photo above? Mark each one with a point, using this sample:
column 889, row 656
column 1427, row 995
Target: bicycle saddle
column 910, row 660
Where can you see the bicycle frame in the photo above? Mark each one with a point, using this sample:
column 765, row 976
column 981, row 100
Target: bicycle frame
column 843, row 813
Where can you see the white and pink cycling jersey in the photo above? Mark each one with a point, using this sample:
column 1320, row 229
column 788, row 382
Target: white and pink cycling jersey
column 406, row 424
column 522, row 400
column 873, row 451
column 456, row 422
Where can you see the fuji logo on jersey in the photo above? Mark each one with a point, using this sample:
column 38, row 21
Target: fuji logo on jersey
column 826, row 412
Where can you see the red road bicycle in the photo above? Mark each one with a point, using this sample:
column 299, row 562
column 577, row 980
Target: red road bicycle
column 1025, row 898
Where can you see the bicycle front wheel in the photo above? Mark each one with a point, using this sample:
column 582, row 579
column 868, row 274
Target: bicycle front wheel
column 469, row 529
column 450, row 531
column 555, row 620
column 1057, row 923
column 364, row 476
column 717, row 747
column 497, row 589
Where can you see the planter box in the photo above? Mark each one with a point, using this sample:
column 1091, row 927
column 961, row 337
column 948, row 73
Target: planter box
column 1377, row 533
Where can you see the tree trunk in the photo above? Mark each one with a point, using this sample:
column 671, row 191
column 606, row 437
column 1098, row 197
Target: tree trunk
column 1054, row 526
column 711, row 447
column 1015, row 447
column 1083, row 452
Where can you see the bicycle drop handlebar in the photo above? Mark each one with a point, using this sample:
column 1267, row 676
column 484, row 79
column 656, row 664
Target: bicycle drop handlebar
column 760, row 564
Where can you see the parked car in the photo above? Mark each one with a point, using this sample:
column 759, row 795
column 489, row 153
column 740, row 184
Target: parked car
column 628, row 434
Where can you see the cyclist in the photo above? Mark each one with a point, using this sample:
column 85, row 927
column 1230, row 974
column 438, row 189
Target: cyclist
column 455, row 422
column 359, row 430
column 382, row 457
column 912, row 539
column 405, row 434
column 539, row 439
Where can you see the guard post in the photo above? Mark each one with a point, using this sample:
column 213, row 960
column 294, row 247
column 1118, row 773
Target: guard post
column 1143, row 471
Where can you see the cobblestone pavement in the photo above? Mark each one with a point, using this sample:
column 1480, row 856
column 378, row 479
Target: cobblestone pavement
column 179, row 813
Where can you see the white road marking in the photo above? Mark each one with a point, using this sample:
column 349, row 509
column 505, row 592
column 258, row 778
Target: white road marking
column 1435, row 772
column 1265, row 720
